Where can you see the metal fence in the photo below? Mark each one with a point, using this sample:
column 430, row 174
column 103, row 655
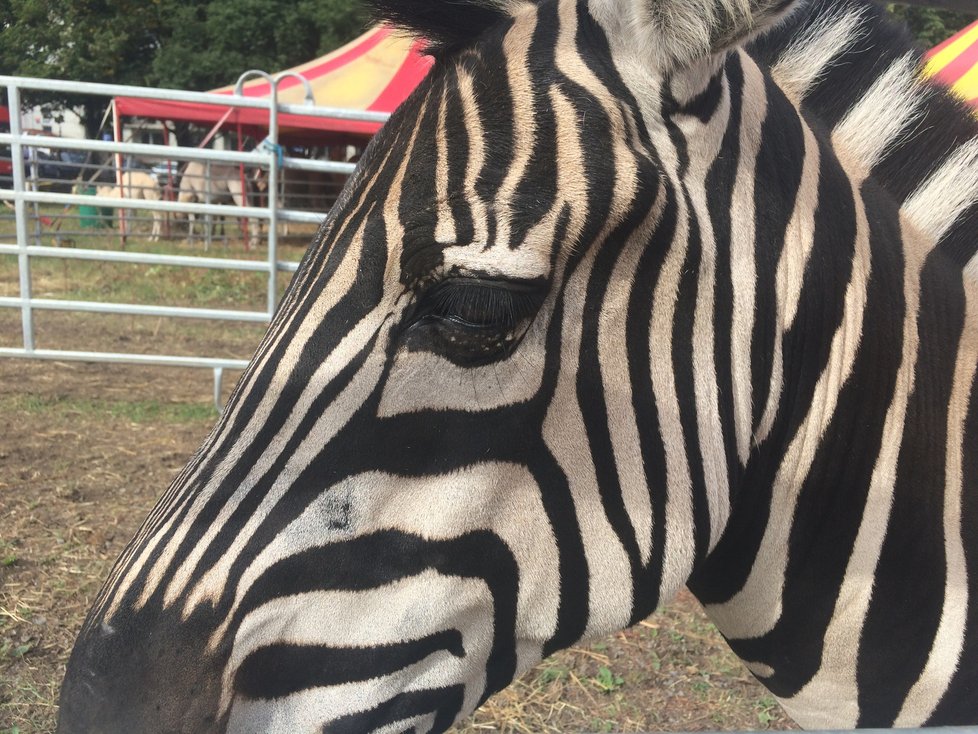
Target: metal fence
column 26, row 194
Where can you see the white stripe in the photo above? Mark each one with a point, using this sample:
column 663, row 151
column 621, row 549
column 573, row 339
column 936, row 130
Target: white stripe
column 883, row 114
column 477, row 154
column 809, row 56
column 743, row 241
column 445, row 228
column 504, row 497
column 947, row 193
column 516, row 49
column 678, row 536
column 613, row 358
column 704, row 143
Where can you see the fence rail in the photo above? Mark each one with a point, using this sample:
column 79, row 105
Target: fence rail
column 25, row 198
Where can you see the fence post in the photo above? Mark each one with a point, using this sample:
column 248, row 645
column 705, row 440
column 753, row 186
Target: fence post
column 218, row 384
column 20, row 213
column 274, row 155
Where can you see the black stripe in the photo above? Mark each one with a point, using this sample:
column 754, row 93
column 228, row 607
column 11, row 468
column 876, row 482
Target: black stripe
column 282, row 669
column 908, row 592
column 960, row 705
column 446, row 702
column 720, row 181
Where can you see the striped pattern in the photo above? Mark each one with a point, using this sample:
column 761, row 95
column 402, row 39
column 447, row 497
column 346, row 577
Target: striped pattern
column 955, row 63
column 586, row 326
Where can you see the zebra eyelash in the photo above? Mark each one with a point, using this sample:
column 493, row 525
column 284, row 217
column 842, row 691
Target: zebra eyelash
column 479, row 304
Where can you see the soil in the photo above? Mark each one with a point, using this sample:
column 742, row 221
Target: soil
column 85, row 450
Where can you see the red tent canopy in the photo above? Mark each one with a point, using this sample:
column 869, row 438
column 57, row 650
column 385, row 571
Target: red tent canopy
column 375, row 72
column 955, row 63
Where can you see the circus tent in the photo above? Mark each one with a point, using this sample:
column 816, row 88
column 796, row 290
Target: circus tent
column 375, row 72
column 955, row 63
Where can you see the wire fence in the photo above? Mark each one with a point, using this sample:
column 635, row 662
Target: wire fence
column 64, row 198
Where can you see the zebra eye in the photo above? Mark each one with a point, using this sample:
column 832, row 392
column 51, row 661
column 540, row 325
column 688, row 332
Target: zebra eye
column 472, row 320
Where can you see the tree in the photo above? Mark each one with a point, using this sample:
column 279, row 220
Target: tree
column 92, row 40
column 209, row 44
column 183, row 44
column 929, row 25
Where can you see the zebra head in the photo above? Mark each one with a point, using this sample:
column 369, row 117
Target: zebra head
column 469, row 437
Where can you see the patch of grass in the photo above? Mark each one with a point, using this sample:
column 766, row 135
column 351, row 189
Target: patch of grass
column 8, row 554
column 606, row 681
column 15, row 652
column 767, row 711
column 552, row 672
column 89, row 280
column 134, row 411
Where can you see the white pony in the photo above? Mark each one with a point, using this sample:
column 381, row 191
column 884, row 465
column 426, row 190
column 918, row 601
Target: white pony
column 137, row 185
column 220, row 185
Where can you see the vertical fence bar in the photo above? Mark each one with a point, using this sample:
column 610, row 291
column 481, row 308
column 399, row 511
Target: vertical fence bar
column 273, row 174
column 121, row 214
column 218, row 385
column 20, row 213
column 34, row 181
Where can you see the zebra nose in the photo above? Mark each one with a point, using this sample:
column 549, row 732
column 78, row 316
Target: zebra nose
column 121, row 681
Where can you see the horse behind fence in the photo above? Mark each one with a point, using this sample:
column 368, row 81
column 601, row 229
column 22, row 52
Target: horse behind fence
column 215, row 184
column 138, row 185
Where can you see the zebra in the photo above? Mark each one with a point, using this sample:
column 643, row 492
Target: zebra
column 628, row 295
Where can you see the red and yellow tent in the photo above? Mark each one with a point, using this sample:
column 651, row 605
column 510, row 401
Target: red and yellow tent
column 375, row 72
column 955, row 63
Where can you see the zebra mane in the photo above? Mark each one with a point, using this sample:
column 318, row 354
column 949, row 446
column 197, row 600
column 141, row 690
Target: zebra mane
column 445, row 24
column 859, row 73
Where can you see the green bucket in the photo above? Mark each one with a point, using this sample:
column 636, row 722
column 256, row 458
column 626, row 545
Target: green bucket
column 94, row 217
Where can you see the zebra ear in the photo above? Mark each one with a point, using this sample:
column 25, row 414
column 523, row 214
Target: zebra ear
column 677, row 33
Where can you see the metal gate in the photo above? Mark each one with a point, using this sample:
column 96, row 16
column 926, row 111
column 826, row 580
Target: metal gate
column 268, row 157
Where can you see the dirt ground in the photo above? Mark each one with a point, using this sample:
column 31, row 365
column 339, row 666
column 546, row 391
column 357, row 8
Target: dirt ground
column 85, row 449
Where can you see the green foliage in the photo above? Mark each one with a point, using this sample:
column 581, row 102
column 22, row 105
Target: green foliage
column 607, row 681
column 209, row 44
column 929, row 25
column 176, row 43
column 183, row 44
column 94, row 40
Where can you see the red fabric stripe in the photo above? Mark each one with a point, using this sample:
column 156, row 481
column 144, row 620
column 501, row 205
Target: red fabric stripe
column 961, row 65
column 210, row 114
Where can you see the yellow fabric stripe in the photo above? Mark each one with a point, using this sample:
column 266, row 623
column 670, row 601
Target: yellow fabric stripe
column 948, row 54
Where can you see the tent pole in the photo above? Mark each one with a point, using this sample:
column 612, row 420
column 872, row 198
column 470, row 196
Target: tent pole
column 117, row 137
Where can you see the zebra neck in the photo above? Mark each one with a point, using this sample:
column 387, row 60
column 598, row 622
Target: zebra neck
column 854, row 488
